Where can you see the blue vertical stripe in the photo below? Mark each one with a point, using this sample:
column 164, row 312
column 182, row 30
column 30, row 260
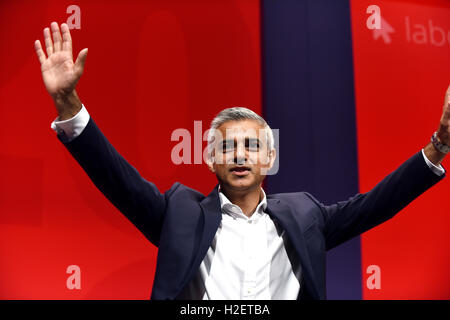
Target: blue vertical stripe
column 308, row 94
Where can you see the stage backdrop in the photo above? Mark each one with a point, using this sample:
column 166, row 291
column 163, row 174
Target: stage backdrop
column 401, row 75
column 153, row 67
column 351, row 105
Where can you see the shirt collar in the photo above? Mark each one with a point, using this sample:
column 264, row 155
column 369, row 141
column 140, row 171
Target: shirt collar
column 235, row 211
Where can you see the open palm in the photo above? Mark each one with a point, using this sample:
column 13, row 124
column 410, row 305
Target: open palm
column 59, row 72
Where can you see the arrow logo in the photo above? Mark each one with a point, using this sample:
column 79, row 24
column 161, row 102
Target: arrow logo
column 384, row 32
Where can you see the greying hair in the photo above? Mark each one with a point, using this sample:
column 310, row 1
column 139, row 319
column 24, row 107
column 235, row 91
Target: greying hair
column 235, row 114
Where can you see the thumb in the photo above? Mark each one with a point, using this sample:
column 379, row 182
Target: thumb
column 79, row 63
column 447, row 98
column 446, row 114
column 447, row 104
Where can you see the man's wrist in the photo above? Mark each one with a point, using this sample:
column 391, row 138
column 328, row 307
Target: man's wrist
column 67, row 105
column 71, row 128
column 438, row 144
column 434, row 155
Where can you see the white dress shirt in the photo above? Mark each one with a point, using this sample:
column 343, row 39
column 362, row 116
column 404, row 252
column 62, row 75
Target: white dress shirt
column 249, row 258
column 71, row 128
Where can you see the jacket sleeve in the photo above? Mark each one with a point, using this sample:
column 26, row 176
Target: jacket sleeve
column 347, row 219
column 139, row 200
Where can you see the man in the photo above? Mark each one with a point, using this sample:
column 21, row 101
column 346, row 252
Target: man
column 236, row 243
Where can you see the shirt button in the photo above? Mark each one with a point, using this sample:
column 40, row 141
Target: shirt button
column 250, row 221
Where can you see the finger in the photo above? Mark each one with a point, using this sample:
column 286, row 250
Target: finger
column 445, row 119
column 447, row 96
column 447, row 100
column 57, row 41
column 81, row 60
column 67, row 39
column 446, row 116
column 48, row 42
column 40, row 53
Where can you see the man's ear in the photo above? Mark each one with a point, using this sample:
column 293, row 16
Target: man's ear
column 272, row 157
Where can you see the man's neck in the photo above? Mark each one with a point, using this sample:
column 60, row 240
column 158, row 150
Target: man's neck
column 247, row 200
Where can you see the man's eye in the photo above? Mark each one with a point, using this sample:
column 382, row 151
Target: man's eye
column 227, row 146
column 253, row 145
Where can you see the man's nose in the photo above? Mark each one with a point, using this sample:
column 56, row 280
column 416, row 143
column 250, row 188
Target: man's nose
column 239, row 156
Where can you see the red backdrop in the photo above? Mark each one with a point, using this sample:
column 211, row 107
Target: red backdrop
column 155, row 66
column 400, row 87
column 152, row 67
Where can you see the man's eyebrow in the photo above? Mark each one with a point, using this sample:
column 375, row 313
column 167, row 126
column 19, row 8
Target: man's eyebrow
column 247, row 139
column 226, row 141
column 253, row 139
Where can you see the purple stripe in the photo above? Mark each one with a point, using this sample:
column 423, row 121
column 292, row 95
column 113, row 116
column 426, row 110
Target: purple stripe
column 308, row 94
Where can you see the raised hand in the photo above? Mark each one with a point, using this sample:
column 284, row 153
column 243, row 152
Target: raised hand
column 443, row 133
column 444, row 126
column 59, row 72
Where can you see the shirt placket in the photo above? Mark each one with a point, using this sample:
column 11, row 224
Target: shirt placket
column 250, row 250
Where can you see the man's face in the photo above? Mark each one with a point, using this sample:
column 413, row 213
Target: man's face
column 241, row 157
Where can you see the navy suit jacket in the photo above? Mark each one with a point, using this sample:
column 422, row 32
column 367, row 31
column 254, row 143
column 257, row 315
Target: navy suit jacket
column 182, row 222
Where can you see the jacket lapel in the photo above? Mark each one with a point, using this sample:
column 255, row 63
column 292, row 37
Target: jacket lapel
column 282, row 213
column 212, row 216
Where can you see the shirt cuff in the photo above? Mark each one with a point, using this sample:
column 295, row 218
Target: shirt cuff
column 439, row 170
column 71, row 128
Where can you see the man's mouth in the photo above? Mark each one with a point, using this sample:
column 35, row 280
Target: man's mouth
column 240, row 170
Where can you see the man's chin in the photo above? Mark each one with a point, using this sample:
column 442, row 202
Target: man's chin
column 236, row 183
column 241, row 184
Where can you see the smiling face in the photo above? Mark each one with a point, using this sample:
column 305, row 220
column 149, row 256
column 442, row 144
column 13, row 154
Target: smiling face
column 241, row 157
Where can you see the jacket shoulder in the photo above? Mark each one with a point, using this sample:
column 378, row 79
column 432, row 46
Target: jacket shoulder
column 296, row 197
column 302, row 205
column 179, row 190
